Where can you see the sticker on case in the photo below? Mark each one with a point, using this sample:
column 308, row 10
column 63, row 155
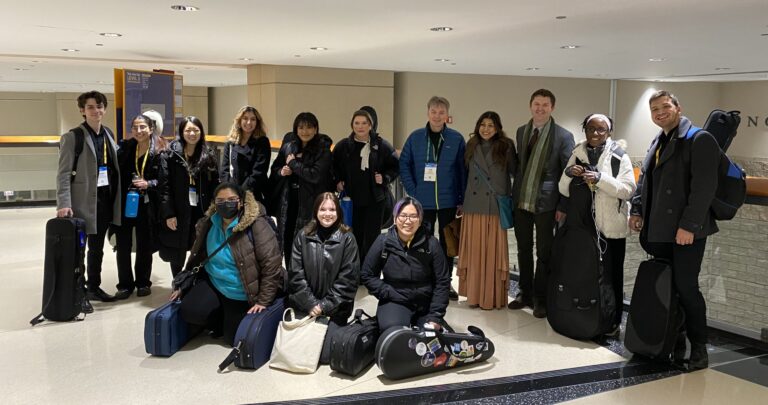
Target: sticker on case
column 421, row 349
column 452, row 361
column 440, row 360
column 434, row 345
column 428, row 359
column 479, row 346
column 412, row 343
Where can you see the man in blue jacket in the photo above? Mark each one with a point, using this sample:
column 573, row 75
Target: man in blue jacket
column 432, row 171
column 671, row 210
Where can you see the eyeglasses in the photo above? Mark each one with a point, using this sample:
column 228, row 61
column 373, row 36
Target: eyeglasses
column 406, row 217
column 224, row 200
column 192, row 131
column 599, row 131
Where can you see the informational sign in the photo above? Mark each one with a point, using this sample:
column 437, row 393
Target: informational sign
column 137, row 91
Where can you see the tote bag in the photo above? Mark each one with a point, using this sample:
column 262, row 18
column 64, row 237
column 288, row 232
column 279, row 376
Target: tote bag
column 298, row 343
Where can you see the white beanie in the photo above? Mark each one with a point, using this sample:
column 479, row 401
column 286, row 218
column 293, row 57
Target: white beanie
column 157, row 118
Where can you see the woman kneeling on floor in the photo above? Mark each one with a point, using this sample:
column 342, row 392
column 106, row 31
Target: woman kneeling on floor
column 242, row 277
column 414, row 290
column 324, row 268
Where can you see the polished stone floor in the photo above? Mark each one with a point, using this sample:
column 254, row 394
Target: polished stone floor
column 102, row 359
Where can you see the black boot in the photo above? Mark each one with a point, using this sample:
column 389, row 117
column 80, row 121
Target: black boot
column 678, row 354
column 699, row 357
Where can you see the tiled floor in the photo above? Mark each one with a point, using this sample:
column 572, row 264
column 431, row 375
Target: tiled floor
column 102, row 358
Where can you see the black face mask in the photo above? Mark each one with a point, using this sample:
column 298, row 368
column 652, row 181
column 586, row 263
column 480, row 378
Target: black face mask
column 227, row 209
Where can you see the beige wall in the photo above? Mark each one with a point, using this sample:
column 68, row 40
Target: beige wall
column 281, row 92
column 223, row 104
column 195, row 101
column 471, row 95
column 633, row 118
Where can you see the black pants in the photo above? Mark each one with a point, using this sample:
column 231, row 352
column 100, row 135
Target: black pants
column 178, row 260
column 391, row 314
column 613, row 265
column 686, row 266
column 366, row 226
column 143, row 266
column 534, row 287
column 444, row 216
column 96, row 254
column 205, row 306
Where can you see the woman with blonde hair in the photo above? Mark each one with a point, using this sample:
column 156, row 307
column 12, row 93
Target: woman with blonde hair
column 483, row 267
column 247, row 153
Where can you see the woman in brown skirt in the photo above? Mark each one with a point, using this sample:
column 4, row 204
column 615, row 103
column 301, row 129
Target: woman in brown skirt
column 483, row 267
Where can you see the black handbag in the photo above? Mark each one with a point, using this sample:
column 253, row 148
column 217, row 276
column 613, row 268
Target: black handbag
column 185, row 280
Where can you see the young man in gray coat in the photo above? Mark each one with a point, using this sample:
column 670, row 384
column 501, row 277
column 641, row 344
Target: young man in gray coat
column 671, row 211
column 543, row 148
column 92, row 192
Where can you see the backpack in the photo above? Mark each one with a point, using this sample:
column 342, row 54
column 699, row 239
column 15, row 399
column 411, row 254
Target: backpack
column 731, row 178
column 79, row 143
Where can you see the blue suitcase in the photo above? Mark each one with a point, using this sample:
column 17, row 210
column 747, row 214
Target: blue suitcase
column 255, row 337
column 164, row 330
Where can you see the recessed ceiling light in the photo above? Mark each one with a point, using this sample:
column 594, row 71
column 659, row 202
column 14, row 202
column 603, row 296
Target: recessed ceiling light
column 35, row 61
column 20, row 69
column 245, row 59
column 764, row 35
column 532, row 68
column 561, row 17
column 180, row 7
column 110, row 34
column 100, row 81
column 296, row 56
column 442, row 60
column 99, row 44
column 453, row 63
column 318, row 48
column 570, row 46
column 656, row 60
column 441, row 29
column 722, row 68
column 70, row 50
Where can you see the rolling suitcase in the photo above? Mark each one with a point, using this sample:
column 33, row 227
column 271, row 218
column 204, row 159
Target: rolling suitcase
column 64, row 270
column 353, row 346
column 655, row 318
column 255, row 337
column 403, row 353
column 164, row 330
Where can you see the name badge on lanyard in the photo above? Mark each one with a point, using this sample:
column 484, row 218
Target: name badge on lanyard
column 193, row 197
column 103, row 179
column 430, row 172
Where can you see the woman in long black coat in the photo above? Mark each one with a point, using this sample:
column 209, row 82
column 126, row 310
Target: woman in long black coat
column 247, row 153
column 299, row 173
column 186, row 190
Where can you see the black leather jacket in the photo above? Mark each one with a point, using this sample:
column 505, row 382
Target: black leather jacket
column 324, row 273
column 414, row 276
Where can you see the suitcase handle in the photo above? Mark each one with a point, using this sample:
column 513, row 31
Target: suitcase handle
column 231, row 357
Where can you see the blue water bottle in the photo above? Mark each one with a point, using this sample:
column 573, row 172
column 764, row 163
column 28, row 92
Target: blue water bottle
column 132, row 203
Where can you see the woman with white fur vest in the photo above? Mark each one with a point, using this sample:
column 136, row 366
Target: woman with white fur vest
column 602, row 163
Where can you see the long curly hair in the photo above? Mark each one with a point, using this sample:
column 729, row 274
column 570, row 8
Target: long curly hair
column 236, row 133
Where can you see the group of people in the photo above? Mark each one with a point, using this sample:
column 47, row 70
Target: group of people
column 406, row 268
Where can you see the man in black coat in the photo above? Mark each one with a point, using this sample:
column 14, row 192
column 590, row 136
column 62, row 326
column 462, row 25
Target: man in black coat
column 543, row 149
column 671, row 209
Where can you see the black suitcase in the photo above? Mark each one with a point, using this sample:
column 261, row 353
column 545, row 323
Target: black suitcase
column 64, row 271
column 406, row 352
column 164, row 330
column 353, row 346
column 655, row 318
column 255, row 337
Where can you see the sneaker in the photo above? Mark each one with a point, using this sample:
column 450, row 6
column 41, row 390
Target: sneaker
column 123, row 294
column 143, row 291
column 520, row 302
column 98, row 294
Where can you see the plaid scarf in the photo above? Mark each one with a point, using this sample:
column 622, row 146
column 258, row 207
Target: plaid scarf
column 534, row 165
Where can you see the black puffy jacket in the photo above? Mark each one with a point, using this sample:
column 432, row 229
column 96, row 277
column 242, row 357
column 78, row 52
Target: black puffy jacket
column 324, row 273
column 414, row 276
column 247, row 165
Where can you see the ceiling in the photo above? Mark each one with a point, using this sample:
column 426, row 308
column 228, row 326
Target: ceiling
column 711, row 40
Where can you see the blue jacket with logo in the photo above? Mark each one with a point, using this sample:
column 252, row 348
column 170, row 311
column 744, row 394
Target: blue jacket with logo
column 448, row 190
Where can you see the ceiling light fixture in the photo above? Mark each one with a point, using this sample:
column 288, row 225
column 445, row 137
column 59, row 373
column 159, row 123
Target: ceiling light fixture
column 570, row 47
column 296, row 56
column 441, row 29
column 20, row 69
column 180, row 7
column 442, row 60
column 561, row 17
column 70, row 50
column 722, row 68
column 35, row 61
column 245, row 59
column 532, row 68
column 318, row 48
column 656, row 60
column 110, row 34
column 99, row 44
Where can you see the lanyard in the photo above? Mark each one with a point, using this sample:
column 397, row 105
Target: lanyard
column 144, row 164
column 434, row 150
column 186, row 162
column 105, row 150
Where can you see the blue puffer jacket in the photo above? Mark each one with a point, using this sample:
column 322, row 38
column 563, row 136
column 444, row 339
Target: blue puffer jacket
column 448, row 190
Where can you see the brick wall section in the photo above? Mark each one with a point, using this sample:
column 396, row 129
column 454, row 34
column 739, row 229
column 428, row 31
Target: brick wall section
column 734, row 273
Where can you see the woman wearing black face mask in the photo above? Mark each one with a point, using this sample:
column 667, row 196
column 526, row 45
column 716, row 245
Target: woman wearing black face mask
column 244, row 276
